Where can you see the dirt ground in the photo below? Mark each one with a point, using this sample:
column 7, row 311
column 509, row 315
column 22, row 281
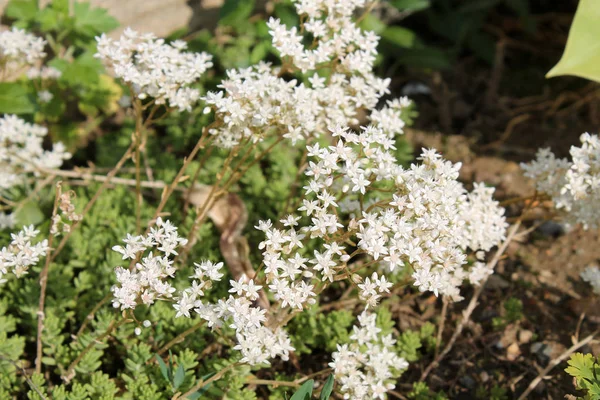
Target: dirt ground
column 491, row 117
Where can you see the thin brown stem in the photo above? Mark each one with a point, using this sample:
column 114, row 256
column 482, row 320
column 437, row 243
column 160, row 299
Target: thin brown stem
column 179, row 338
column 203, row 383
column 438, row 340
column 43, row 285
column 472, row 304
column 555, row 362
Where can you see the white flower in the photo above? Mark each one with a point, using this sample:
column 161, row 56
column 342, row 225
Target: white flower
column 22, row 153
column 18, row 47
column 21, row 253
column 154, row 68
column 45, row 96
column 146, row 282
column 574, row 186
column 367, row 367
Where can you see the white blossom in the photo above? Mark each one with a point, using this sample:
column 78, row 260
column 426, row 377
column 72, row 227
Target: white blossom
column 21, row 253
column 146, row 282
column 154, row 68
column 574, row 186
column 22, row 153
column 367, row 367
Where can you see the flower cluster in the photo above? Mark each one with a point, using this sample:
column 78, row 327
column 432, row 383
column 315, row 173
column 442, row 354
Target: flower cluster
column 17, row 47
column 256, row 342
column 367, row 367
column 258, row 99
column 573, row 185
column 422, row 217
column 146, row 282
column 21, row 253
column 591, row 275
column 336, row 37
column 43, row 73
column 153, row 68
column 21, row 151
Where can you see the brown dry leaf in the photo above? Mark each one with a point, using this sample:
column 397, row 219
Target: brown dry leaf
column 229, row 215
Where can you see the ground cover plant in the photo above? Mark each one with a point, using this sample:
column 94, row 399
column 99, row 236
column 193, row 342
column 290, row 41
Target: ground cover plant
column 180, row 223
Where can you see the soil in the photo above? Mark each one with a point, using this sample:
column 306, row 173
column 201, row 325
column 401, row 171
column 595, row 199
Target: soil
column 491, row 117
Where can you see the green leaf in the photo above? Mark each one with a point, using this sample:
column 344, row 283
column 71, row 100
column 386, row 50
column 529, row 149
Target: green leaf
column 15, row 98
column 372, row 23
column 48, row 361
column 581, row 366
column 21, row 9
column 260, row 52
column 49, row 19
column 83, row 71
column 92, row 21
column 170, row 368
column 410, row 5
column 61, row 6
column 179, row 376
column 582, row 53
column 163, row 367
column 398, row 36
column 235, row 11
column 305, row 391
column 287, row 14
column 327, row 388
column 29, row 214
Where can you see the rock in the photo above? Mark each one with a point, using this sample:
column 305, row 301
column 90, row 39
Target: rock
column 484, row 376
column 551, row 229
column 496, row 282
column 542, row 351
column 467, row 382
column 525, row 336
column 590, row 306
column 513, row 352
column 509, row 336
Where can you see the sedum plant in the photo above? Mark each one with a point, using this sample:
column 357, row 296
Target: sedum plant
column 190, row 322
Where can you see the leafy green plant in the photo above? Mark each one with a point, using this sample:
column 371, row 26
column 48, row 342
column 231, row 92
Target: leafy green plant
column 304, row 392
column 420, row 391
column 586, row 371
column 512, row 312
column 82, row 96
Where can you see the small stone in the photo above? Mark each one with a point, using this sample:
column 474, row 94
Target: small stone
column 467, row 382
column 513, row 352
column 484, row 376
column 525, row 336
column 496, row 282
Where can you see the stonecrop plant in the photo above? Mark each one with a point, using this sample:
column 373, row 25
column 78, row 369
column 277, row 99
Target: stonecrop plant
column 188, row 321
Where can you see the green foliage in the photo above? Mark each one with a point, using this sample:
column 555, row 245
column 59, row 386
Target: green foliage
column 496, row 392
column 233, row 12
column 83, row 91
column 582, row 51
column 314, row 330
column 586, row 371
column 513, row 312
column 420, row 391
column 16, row 98
column 304, row 392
